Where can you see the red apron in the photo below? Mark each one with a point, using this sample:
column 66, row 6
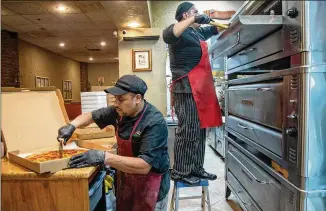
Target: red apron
column 203, row 91
column 135, row 192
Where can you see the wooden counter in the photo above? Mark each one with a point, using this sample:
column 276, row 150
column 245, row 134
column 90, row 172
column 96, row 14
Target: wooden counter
column 12, row 171
column 25, row 190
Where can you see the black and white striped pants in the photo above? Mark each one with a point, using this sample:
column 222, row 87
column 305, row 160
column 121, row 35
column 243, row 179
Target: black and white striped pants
column 189, row 146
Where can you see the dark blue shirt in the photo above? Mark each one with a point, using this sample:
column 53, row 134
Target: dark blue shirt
column 149, row 141
column 185, row 52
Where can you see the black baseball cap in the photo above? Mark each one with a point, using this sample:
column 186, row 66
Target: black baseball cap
column 182, row 8
column 128, row 83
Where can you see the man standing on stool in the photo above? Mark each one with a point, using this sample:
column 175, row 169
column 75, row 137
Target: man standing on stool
column 193, row 91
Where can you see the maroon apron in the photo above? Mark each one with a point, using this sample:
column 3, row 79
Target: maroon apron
column 135, row 192
column 203, row 91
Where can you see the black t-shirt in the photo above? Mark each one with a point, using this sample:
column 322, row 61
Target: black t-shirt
column 149, row 141
column 185, row 52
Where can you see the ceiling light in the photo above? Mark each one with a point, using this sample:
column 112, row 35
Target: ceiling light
column 103, row 43
column 61, row 8
column 133, row 24
column 62, row 44
column 91, row 58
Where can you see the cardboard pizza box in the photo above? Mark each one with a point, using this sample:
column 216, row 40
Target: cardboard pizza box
column 95, row 132
column 30, row 122
column 105, row 144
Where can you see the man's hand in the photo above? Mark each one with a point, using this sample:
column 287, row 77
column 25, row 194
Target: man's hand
column 66, row 132
column 202, row 19
column 89, row 158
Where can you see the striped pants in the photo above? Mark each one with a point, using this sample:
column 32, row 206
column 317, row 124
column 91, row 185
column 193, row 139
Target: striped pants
column 189, row 146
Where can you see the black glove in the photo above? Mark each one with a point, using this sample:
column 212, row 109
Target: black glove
column 89, row 158
column 66, row 132
column 203, row 19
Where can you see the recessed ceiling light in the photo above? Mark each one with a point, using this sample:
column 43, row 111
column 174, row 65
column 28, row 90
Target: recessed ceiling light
column 133, row 24
column 103, row 43
column 61, row 8
column 62, row 44
column 91, row 58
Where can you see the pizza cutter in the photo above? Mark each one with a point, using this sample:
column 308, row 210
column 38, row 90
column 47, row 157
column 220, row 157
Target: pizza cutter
column 61, row 146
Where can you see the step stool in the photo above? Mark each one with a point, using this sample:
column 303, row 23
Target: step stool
column 175, row 195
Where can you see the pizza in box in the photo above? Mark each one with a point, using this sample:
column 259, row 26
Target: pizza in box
column 53, row 155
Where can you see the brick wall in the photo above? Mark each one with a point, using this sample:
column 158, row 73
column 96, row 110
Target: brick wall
column 83, row 76
column 9, row 59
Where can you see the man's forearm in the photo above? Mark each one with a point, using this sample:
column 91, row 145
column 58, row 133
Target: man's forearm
column 82, row 120
column 181, row 26
column 129, row 165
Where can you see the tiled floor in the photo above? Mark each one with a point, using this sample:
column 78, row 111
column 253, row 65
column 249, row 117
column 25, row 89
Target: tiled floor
column 213, row 164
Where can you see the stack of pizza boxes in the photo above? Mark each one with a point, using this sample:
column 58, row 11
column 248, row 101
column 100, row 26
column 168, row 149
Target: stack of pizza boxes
column 30, row 122
column 92, row 136
column 109, row 98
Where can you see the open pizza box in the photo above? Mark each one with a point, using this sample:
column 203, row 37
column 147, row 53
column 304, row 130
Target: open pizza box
column 30, row 121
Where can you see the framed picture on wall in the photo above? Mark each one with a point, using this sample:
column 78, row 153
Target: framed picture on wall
column 67, row 89
column 100, row 81
column 141, row 60
column 38, row 82
column 41, row 81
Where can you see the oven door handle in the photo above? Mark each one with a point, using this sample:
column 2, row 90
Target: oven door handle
column 237, row 42
column 264, row 89
column 245, row 203
column 245, row 89
column 244, row 127
column 246, row 51
column 251, row 176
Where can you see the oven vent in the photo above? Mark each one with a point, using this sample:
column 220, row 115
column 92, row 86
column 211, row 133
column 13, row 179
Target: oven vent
column 292, row 155
column 294, row 81
column 291, row 197
column 294, row 36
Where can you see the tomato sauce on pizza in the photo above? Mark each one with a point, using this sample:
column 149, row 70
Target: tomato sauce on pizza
column 54, row 155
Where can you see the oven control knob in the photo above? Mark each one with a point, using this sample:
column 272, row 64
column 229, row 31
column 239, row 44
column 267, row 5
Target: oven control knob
column 292, row 13
column 291, row 132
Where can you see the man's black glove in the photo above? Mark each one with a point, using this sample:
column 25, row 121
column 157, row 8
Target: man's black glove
column 65, row 133
column 89, row 158
column 202, row 19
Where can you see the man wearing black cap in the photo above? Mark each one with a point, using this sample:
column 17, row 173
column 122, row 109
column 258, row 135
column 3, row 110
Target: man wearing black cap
column 192, row 90
column 142, row 162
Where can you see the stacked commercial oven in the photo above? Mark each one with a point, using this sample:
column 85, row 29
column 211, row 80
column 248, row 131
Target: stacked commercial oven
column 276, row 105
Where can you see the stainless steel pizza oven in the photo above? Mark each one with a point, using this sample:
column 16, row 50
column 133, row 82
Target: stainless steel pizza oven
column 276, row 105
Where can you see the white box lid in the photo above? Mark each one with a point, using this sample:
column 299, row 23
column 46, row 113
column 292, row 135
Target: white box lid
column 102, row 93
